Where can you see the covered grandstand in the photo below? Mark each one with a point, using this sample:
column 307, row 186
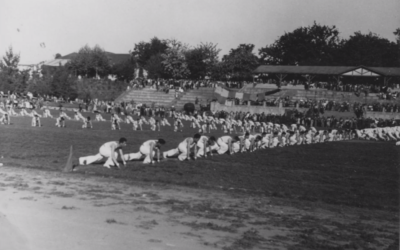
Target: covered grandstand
column 309, row 72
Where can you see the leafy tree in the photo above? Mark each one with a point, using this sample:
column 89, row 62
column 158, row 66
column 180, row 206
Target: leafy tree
column 313, row 45
column 143, row 51
column 220, row 71
column 39, row 85
column 91, row 62
column 57, row 56
column 369, row 50
column 196, row 64
column 240, row 62
column 124, row 71
column 155, row 67
column 202, row 59
column 397, row 34
column 10, row 60
column 174, row 59
column 63, row 83
column 12, row 79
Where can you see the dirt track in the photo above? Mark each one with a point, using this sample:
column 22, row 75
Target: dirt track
column 52, row 210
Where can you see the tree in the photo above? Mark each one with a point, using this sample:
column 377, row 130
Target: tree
column 196, row 64
column 57, row 56
column 124, row 71
column 11, row 78
column 313, row 45
column 397, row 34
column 240, row 62
column 63, row 83
column 369, row 50
column 10, row 62
column 202, row 59
column 220, row 71
column 155, row 67
column 143, row 51
column 174, row 59
column 39, row 85
column 91, row 62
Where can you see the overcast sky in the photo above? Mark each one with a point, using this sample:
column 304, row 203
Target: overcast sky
column 64, row 26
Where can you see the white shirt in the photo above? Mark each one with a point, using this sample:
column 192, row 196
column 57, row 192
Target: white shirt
column 225, row 139
column 149, row 142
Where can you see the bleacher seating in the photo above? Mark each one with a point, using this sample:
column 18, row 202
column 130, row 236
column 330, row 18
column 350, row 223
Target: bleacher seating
column 148, row 96
column 202, row 94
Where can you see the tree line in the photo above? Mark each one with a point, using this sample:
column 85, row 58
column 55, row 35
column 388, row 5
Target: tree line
column 317, row 45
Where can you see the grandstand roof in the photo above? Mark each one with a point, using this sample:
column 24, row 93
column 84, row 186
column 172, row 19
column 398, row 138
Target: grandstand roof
column 328, row 70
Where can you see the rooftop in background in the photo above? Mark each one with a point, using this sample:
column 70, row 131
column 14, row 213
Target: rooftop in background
column 115, row 58
column 328, row 70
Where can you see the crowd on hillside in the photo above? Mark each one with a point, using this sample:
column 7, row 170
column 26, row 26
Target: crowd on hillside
column 180, row 85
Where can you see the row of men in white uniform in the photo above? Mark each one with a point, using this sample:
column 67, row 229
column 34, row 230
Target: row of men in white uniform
column 228, row 126
column 379, row 134
column 5, row 119
column 60, row 120
column 202, row 146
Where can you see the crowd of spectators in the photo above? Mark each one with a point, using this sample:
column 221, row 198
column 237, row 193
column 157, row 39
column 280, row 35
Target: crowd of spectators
column 307, row 120
column 325, row 105
column 385, row 92
column 180, row 85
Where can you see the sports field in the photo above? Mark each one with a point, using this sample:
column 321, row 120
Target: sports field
column 343, row 195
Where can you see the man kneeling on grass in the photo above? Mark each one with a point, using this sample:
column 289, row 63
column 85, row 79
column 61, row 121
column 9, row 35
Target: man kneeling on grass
column 147, row 151
column 184, row 149
column 109, row 150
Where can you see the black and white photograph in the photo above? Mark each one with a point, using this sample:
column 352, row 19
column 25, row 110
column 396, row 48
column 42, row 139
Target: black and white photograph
column 199, row 124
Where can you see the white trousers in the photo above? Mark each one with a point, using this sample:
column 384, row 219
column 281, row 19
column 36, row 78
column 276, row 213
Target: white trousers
column 103, row 152
column 200, row 149
column 181, row 152
column 236, row 147
column 247, row 144
column 223, row 147
column 144, row 153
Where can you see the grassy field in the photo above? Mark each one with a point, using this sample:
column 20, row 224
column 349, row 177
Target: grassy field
column 353, row 173
column 351, row 177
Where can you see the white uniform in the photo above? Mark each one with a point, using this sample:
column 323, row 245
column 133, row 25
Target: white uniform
column 265, row 141
column 223, row 143
column 283, row 142
column 274, row 142
column 106, row 150
column 292, row 139
column 181, row 151
column 100, row 118
column 201, row 144
column 308, row 138
column 144, row 152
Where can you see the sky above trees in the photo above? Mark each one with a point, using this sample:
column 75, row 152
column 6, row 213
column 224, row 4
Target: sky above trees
column 40, row 29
